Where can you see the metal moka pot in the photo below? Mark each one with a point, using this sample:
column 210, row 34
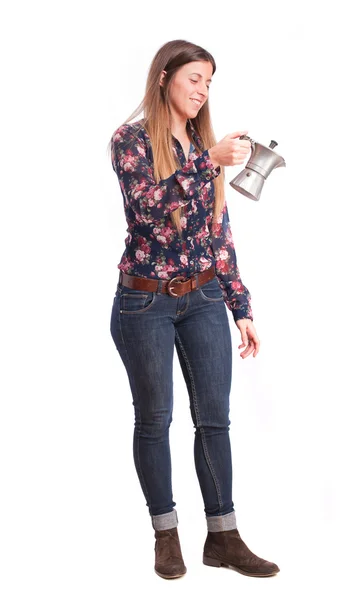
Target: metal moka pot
column 262, row 161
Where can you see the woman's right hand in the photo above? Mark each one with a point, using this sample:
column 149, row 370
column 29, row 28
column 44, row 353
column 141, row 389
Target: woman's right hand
column 230, row 150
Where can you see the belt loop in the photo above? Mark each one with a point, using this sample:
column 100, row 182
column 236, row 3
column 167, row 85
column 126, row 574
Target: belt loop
column 197, row 280
column 159, row 287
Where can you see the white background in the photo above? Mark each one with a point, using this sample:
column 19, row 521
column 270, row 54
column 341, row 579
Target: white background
column 74, row 523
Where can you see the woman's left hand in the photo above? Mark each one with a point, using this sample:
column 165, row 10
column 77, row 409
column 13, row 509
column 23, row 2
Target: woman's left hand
column 248, row 336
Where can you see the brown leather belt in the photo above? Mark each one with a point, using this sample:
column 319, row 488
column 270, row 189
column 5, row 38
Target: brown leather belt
column 177, row 286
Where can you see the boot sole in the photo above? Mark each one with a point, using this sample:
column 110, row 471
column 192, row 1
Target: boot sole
column 214, row 562
column 164, row 576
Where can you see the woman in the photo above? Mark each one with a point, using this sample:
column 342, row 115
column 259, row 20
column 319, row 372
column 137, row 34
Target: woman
column 177, row 273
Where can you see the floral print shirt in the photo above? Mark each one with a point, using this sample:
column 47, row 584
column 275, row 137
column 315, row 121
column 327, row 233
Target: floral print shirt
column 153, row 247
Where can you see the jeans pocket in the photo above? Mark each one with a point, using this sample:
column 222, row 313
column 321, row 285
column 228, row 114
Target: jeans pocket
column 135, row 301
column 211, row 291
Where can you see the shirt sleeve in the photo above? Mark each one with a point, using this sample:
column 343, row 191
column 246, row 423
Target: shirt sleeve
column 237, row 297
column 149, row 200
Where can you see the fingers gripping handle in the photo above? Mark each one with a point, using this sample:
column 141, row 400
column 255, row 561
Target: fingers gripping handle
column 252, row 142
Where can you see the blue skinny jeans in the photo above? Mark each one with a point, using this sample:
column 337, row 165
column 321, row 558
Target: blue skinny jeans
column 145, row 327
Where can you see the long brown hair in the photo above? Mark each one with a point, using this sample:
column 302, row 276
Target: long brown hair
column 157, row 117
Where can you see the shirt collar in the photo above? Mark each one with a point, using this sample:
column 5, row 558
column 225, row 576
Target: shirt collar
column 194, row 133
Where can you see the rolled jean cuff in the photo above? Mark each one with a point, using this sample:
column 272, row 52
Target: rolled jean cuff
column 221, row 522
column 165, row 521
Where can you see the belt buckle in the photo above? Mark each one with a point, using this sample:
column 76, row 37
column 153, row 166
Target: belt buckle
column 169, row 290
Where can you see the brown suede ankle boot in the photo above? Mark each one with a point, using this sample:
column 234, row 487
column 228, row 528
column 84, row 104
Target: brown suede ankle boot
column 226, row 548
column 168, row 558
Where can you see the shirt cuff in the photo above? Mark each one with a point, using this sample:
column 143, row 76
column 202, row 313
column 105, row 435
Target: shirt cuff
column 203, row 167
column 242, row 313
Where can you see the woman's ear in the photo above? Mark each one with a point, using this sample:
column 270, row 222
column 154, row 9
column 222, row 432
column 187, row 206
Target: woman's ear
column 163, row 73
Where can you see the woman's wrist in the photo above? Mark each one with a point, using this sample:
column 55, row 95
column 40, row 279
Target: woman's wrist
column 213, row 158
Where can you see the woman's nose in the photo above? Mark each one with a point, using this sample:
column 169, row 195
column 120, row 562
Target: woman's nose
column 202, row 90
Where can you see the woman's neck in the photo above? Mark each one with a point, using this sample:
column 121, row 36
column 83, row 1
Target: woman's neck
column 179, row 127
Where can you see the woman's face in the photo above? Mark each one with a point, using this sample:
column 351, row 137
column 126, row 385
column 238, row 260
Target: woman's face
column 189, row 89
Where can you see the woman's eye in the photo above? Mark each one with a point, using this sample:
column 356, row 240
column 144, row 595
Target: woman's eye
column 192, row 80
